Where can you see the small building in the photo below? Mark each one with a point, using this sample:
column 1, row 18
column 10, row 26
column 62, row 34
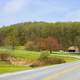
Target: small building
column 73, row 49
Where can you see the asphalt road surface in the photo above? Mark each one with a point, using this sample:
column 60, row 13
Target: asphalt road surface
column 67, row 71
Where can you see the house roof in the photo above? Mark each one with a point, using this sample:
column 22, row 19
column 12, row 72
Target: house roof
column 73, row 48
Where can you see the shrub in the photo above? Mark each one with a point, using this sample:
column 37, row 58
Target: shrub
column 5, row 56
column 46, row 59
column 44, row 55
column 54, row 60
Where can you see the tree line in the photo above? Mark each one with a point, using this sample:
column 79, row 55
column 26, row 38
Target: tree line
column 41, row 35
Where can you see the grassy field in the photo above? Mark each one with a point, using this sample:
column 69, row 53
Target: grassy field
column 67, row 58
column 5, row 68
column 22, row 53
column 67, row 53
column 32, row 55
column 26, row 54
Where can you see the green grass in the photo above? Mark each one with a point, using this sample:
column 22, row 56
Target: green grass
column 22, row 53
column 18, row 53
column 67, row 53
column 67, row 58
column 32, row 55
column 5, row 68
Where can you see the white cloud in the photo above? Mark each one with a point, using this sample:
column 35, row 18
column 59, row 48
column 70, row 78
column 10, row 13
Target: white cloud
column 13, row 6
column 73, row 16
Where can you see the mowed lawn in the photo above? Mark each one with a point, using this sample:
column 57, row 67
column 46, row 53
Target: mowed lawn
column 22, row 53
column 31, row 55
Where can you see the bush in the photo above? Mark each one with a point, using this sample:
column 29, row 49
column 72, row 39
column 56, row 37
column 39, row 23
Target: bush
column 46, row 59
column 44, row 55
column 54, row 60
column 4, row 56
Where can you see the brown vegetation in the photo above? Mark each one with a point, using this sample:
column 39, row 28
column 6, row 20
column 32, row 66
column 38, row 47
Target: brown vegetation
column 48, row 43
column 44, row 59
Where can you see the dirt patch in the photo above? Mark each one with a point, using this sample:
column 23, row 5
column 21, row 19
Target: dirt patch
column 13, row 60
column 22, row 62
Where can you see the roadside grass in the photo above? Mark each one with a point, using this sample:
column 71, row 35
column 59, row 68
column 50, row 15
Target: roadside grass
column 5, row 68
column 67, row 53
column 18, row 53
column 32, row 55
column 67, row 58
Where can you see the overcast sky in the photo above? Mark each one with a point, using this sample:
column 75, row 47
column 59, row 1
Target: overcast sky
column 15, row 11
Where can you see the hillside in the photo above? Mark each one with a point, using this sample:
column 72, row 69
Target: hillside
column 32, row 34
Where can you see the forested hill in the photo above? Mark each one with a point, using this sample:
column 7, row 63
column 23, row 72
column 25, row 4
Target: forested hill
column 33, row 34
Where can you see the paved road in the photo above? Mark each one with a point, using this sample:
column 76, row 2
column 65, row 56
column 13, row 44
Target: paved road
column 67, row 71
